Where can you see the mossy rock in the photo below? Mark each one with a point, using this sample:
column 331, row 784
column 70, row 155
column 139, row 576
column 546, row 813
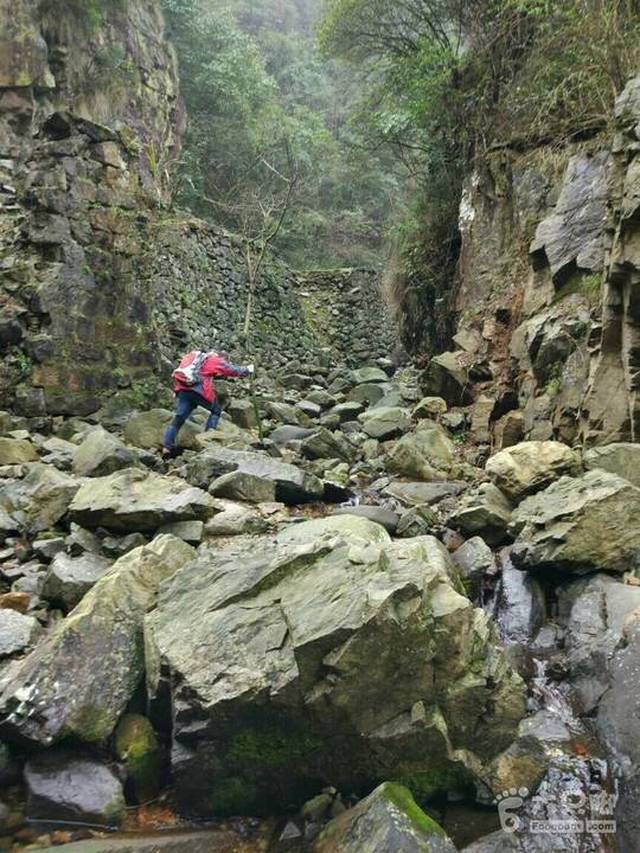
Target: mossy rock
column 388, row 819
column 137, row 746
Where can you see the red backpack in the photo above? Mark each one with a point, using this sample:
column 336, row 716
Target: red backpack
column 188, row 371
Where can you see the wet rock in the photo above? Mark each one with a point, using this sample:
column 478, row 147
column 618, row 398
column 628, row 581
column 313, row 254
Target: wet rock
column 69, row 578
column 620, row 458
column 67, row 786
column 386, row 517
column 101, row 454
column 426, row 454
column 593, row 611
column 146, row 430
column 476, row 561
column 15, row 451
column 137, row 747
column 17, row 632
column 521, row 606
column 530, row 466
column 329, row 635
column 485, row 512
column 385, row 422
column 562, row 527
column 136, row 500
column 79, row 679
column 388, row 819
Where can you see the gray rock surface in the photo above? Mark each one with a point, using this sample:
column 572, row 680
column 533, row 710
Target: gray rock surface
column 79, row 679
column 100, row 454
column 530, row 466
column 279, row 480
column 331, row 634
column 137, row 500
column 562, row 526
column 17, row 632
column 67, row 786
column 69, row 578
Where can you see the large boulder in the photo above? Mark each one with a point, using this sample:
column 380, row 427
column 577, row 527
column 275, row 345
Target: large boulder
column 580, row 524
column 147, row 429
column 100, row 454
column 621, row 458
column 592, row 612
column 530, row 466
column 447, row 377
column 349, row 527
column 40, row 500
column 65, row 786
column 69, row 578
column 344, row 657
column 79, row 679
column 280, row 480
column 389, row 819
column 618, row 724
column 132, row 499
column 426, row 454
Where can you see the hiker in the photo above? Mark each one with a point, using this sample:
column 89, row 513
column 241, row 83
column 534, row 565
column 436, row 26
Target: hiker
column 193, row 387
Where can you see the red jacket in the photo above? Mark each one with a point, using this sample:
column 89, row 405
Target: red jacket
column 213, row 365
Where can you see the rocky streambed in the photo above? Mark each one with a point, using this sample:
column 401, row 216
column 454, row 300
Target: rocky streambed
column 359, row 628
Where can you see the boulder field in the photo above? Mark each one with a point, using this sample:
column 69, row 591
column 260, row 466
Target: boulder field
column 341, row 624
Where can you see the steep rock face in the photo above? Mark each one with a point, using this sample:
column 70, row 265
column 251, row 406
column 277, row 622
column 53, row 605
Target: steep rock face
column 103, row 284
column 332, row 657
column 549, row 253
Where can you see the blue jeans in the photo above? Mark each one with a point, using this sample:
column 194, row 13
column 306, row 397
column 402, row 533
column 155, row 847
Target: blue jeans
column 186, row 402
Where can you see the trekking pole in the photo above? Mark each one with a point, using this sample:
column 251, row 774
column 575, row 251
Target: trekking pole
column 256, row 410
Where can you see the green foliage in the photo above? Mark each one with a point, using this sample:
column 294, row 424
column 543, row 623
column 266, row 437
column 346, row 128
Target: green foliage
column 263, row 105
column 271, row 747
column 401, row 797
column 446, row 80
column 88, row 12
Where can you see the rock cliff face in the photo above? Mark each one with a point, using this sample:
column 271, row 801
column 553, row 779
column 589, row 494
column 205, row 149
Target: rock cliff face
column 103, row 284
column 546, row 299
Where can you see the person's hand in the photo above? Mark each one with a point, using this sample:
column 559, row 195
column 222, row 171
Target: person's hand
column 251, row 369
